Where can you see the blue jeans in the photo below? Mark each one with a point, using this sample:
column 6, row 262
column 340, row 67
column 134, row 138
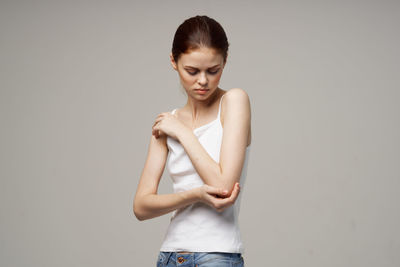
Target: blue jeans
column 199, row 259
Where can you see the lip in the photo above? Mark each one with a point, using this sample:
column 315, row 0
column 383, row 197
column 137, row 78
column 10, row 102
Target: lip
column 202, row 89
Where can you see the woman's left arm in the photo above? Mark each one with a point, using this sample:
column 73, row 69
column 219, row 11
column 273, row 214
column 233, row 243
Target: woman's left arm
column 237, row 123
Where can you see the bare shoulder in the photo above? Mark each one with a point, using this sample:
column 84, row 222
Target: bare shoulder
column 237, row 93
column 236, row 101
column 236, row 98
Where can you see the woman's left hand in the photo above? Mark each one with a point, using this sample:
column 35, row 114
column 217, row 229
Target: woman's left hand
column 167, row 123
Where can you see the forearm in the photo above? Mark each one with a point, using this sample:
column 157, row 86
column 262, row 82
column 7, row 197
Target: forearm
column 154, row 205
column 208, row 169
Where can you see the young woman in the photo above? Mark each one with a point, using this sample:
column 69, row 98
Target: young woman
column 207, row 142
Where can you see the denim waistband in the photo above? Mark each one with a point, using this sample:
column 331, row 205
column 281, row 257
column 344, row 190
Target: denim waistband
column 198, row 257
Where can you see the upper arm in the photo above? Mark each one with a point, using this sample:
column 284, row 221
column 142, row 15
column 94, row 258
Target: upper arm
column 154, row 166
column 236, row 131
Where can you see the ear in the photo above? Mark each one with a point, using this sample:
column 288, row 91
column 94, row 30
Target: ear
column 173, row 63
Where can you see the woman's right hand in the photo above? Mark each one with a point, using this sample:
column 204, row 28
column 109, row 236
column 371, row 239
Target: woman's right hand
column 216, row 197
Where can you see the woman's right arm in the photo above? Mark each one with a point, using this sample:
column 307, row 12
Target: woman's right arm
column 148, row 204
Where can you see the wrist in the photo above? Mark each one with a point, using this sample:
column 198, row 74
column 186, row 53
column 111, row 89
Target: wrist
column 195, row 194
column 183, row 133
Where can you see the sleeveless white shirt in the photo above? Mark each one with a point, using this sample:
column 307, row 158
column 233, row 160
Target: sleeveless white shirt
column 199, row 227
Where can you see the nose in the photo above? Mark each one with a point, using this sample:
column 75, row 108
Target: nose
column 202, row 79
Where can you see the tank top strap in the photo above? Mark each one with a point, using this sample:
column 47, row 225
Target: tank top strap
column 219, row 109
column 173, row 111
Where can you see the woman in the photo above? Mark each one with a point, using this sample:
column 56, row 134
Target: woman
column 208, row 143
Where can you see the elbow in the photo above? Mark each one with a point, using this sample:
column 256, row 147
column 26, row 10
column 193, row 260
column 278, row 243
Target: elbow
column 229, row 186
column 138, row 215
column 137, row 211
column 224, row 187
column 225, row 181
column 142, row 209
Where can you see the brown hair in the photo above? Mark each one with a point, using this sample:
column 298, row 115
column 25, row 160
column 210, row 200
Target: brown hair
column 199, row 31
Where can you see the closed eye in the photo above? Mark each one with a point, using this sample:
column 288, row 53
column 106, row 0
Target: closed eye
column 211, row 72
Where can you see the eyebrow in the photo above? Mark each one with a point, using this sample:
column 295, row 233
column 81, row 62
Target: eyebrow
column 196, row 68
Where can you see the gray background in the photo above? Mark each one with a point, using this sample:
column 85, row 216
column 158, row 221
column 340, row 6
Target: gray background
column 82, row 82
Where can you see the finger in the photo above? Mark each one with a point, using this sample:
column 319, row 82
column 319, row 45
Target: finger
column 235, row 192
column 216, row 191
column 156, row 127
column 224, row 202
column 214, row 202
column 155, row 131
column 162, row 114
column 157, row 120
column 230, row 199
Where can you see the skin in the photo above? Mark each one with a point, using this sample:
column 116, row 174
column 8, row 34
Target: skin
column 221, row 187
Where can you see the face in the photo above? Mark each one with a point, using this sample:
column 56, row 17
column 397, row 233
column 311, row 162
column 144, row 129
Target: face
column 199, row 69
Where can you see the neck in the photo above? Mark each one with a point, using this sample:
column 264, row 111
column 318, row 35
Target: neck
column 197, row 107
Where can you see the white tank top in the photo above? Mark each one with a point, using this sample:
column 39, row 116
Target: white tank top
column 198, row 227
